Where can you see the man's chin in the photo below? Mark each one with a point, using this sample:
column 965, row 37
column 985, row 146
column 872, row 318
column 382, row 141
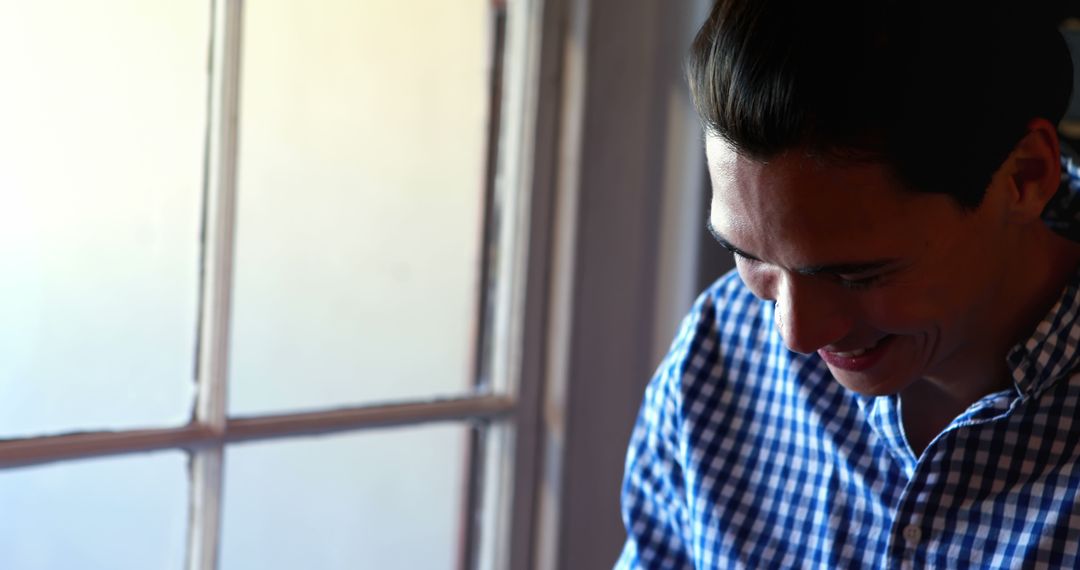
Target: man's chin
column 869, row 385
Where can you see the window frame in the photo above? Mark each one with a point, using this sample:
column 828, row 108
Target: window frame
column 211, row 429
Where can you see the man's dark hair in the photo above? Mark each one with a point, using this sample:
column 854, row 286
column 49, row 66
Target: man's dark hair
column 940, row 90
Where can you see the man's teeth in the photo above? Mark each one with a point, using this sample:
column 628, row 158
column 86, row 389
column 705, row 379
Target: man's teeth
column 855, row 353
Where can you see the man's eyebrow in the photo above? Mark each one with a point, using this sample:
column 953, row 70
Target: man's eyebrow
column 724, row 243
column 856, row 268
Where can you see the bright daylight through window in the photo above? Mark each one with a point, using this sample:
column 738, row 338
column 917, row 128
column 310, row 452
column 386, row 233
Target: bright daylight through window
column 249, row 284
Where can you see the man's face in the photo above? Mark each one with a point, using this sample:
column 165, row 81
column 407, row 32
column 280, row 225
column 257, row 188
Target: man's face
column 887, row 285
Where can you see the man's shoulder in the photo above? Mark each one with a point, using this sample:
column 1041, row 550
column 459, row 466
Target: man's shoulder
column 729, row 342
column 1062, row 213
column 738, row 318
column 731, row 301
column 725, row 317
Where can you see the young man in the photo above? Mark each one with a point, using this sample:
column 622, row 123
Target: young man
column 892, row 376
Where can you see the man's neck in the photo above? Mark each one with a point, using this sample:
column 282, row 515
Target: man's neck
column 926, row 410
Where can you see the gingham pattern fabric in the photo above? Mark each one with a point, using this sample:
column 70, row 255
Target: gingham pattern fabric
column 1064, row 210
column 747, row 455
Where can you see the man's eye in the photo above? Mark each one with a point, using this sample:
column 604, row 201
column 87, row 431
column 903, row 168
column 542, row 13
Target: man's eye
column 739, row 256
column 858, row 283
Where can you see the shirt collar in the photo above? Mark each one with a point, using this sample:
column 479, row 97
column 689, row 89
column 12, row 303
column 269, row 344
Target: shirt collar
column 1051, row 352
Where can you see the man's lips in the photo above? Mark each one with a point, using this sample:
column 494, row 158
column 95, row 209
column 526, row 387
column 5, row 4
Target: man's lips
column 857, row 359
column 856, row 352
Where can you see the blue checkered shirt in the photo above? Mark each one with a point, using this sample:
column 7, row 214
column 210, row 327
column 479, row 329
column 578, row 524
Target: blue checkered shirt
column 748, row 455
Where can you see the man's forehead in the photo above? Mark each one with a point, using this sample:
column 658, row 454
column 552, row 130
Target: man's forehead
column 803, row 177
column 816, row 206
column 721, row 155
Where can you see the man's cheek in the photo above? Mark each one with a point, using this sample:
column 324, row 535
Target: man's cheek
column 899, row 313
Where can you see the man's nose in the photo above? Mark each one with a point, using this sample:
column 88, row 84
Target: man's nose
column 810, row 313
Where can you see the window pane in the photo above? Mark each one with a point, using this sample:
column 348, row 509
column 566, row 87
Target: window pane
column 387, row 499
column 101, row 160
column 361, row 179
column 127, row 513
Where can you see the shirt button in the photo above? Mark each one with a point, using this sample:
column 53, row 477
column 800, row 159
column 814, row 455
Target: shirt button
column 912, row 534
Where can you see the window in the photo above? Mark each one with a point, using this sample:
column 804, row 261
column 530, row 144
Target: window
column 185, row 380
column 237, row 238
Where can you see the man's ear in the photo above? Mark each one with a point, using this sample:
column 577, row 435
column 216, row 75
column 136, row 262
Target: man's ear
column 1033, row 170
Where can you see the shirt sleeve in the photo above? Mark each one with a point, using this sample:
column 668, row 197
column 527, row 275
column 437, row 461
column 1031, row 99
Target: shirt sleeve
column 654, row 505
